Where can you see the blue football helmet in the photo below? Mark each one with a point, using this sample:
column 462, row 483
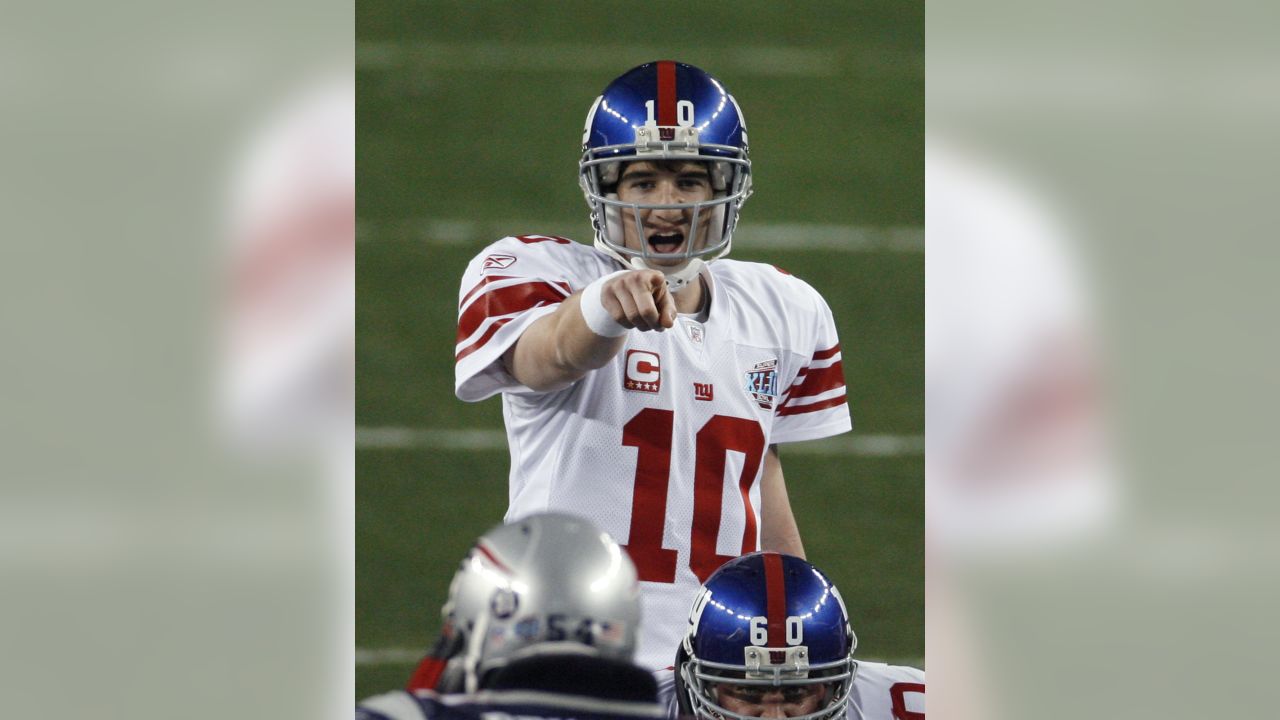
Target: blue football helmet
column 666, row 111
column 767, row 624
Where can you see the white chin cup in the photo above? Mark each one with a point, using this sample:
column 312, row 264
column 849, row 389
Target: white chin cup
column 677, row 278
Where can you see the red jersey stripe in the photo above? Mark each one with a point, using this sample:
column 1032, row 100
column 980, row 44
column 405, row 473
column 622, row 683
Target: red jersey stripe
column 427, row 674
column 497, row 278
column 504, row 301
column 531, row 239
column 666, row 112
column 776, row 599
column 816, row 382
column 493, row 329
column 815, row 407
column 481, row 285
column 828, row 353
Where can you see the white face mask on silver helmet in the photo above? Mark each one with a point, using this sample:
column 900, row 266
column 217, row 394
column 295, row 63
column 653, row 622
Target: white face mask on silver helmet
column 550, row 583
column 663, row 111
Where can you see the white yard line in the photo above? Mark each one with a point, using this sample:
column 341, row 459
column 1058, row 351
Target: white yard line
column 406, row 438
column 750, row 236
column 389, row 655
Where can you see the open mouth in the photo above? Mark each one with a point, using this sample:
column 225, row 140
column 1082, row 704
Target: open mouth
column 666, row 242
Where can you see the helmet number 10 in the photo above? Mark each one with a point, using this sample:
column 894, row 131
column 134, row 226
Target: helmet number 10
column 684, row 113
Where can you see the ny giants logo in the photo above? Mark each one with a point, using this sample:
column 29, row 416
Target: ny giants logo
column 703, row 391
column 644, row 371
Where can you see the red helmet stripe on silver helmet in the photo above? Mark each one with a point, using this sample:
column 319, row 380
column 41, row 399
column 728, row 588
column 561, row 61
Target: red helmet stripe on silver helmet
column 776, row 598
column 666, row 93
column 492, row 558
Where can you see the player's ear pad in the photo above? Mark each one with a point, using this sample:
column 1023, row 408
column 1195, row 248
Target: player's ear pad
column 682, row 698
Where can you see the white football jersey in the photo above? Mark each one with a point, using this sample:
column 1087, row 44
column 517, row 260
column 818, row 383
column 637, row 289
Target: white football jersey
column 662, row 448
column 880, row 692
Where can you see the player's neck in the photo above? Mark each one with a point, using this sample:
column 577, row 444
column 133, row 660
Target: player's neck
column 693, row 297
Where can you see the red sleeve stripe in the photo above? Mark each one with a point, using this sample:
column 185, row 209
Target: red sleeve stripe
column 811, row 399
column 828, row 353
column 531, row 239
column 812, row 407
column 493, row 282
column 484, row 282
column 816, row 382
column 505, row 301
column 493, row 329
column 427, row 674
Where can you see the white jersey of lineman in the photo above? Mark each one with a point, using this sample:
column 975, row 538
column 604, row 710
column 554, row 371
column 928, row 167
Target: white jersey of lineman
column 674, row 428
column 880, row 692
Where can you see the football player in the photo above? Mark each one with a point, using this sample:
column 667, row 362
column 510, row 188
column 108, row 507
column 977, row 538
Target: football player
column 541, row 618
column 637, row 374
column 769, row 637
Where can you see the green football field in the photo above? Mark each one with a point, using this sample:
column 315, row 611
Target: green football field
column 469, row 122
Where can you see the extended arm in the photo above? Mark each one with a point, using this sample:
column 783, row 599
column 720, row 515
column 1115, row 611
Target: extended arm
column 560, row 348
column 778, row 531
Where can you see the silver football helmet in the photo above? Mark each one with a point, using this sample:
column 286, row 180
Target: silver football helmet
column 548, row 583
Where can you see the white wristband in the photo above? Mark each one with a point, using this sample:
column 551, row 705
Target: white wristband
column 594, row 312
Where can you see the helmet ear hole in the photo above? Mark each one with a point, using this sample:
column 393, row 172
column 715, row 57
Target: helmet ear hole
column 682, row 698
column 720, row 172
column 609, row 174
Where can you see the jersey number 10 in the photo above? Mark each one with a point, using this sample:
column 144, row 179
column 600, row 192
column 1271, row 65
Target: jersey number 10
column 650, row 432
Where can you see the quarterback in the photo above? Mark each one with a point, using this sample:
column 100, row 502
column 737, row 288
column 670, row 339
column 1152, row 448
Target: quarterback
column 646, row 381
column 769, row 637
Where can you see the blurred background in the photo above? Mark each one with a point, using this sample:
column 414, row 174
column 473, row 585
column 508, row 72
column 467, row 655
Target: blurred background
column 175, row 542
column 1105, row 187
column 469, row 123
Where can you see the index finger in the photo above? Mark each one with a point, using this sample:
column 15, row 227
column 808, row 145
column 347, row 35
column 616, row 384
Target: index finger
column 666, row 308
column 656, row 280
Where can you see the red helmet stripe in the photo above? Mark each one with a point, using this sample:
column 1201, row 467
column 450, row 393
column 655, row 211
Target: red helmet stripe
column 492, row 558
column 776, row 597
column 666, row 92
